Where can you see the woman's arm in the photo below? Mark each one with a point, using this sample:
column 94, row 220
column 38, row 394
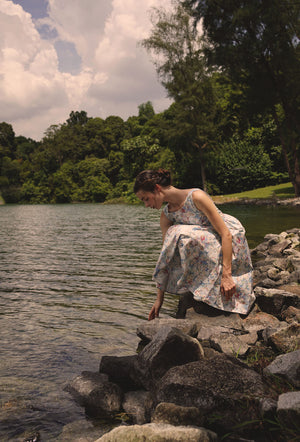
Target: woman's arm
column 207, row 206
column 165, row 223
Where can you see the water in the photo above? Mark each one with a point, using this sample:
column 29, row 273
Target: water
column 75, row 280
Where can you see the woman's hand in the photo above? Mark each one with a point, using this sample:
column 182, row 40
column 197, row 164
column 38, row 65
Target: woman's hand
column 228, row 288
column 154, row 312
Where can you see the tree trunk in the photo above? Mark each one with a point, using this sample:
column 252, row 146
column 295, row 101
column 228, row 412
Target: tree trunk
column 294, row 172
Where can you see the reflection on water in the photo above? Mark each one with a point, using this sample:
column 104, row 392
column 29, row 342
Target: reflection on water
column 75, row 281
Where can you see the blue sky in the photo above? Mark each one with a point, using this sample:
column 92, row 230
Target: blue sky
column 62, row 55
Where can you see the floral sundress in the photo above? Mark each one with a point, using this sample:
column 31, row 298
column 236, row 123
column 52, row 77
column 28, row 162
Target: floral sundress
column 191, row 259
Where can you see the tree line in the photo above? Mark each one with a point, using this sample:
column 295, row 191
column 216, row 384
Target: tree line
column 233, row 124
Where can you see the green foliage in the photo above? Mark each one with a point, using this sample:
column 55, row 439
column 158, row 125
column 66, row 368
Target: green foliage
column 242, row 165
column 138, row 152
column 257, row 44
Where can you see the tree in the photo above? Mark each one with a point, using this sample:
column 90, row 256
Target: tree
column 257, row 44
column 240, row 165
column 138, row 151
column 177, row 45
column 146, row 112
column 80, row 118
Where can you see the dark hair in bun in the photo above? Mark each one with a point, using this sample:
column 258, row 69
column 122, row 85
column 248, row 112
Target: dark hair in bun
column 148, row 179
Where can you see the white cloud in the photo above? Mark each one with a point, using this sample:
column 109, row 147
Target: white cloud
column 114, row 76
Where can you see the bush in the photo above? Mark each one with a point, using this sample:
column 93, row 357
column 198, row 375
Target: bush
column 241, row 165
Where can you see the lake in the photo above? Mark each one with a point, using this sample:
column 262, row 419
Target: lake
column 75, row 280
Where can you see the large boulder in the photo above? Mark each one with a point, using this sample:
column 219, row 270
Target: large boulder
column 170, row 347
column 94, row 392
column 147, row 330
column 159, row 433
column 121, row 371
column 220, row 386
column 287, row 366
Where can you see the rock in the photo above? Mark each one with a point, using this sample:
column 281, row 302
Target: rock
column 259, row 321
column 281, row 263
column 290, row 288
column 159, row 433
column 268, row 408
column 286, row 366
column 223, row 319
column 287, row 339
column 288, row 411
column 277, row 249
column 94, row 392
column 274, row 301
column 80, row 431
column 167, row 413
column 229, row 344
column 273, row 273
column 291, row 314
column 216, row 386
column 138, row 405
column 148, row 330
column 268, row 332
column 170, row 347
column 205, row 333
column 120, row 370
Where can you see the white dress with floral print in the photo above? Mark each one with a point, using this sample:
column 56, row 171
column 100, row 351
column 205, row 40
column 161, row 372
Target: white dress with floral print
column 191, row 259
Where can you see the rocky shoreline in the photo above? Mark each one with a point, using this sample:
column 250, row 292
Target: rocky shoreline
column 211, row 375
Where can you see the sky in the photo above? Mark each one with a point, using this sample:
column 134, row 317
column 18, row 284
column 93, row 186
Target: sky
column 58, row 56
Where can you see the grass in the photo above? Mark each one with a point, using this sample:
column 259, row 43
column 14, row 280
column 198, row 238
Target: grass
column 282, row 191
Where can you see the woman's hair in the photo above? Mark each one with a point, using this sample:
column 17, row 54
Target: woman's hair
column 147, row 180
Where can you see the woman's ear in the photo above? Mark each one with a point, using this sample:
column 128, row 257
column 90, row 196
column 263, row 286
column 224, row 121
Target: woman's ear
column 157, row 188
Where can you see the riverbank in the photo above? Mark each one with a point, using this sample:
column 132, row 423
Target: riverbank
column 212, row 375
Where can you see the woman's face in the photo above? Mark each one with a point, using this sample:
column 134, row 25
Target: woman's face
column 151, row 199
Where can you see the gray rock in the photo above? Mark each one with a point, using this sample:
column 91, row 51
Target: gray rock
column 277, row 249
column 94, row 392
column 279, row 263
column 223, row 319
column 274, row 301
column 169, row 347
column 268, row 332
column 282, row 277
column 148, row 330
column 268, row 408
column 229, row 344
column 159, row 433
column 288, row 410
column 120, row 370
column 216, row 386
column 206, row 332
column 138, row 405
column 266, row 282
column 249, row 338
column 167, row 413
column 286, row 366
column 286, row 339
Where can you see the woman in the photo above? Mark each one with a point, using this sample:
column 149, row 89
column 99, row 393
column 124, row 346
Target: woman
column 204, row 252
